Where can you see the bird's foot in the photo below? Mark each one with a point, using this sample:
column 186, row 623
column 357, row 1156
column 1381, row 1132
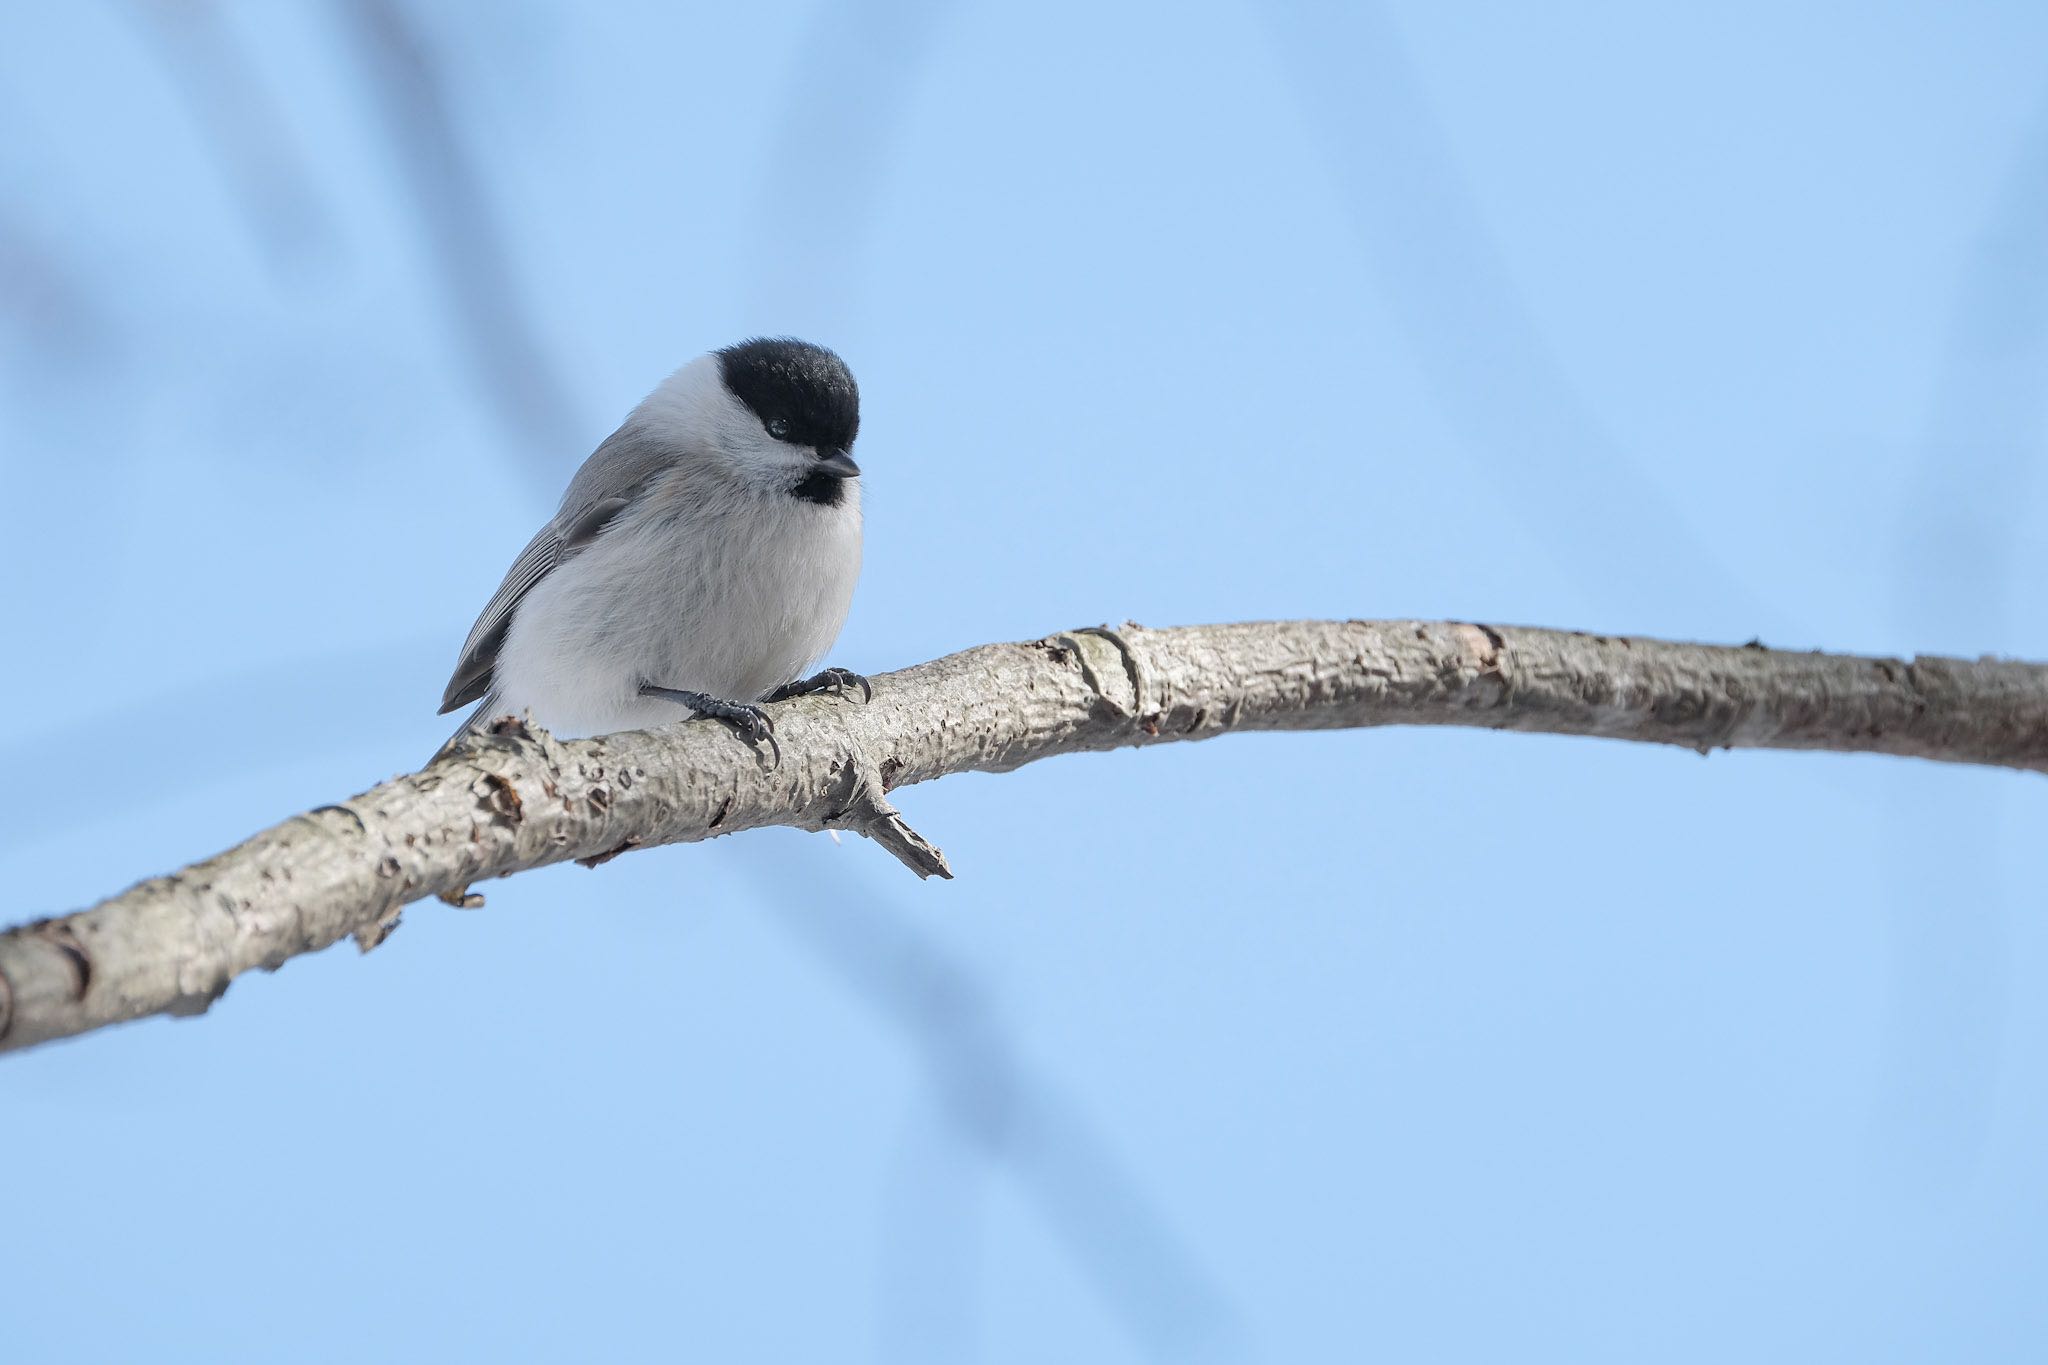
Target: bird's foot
column 750, row 722
column 836, row 681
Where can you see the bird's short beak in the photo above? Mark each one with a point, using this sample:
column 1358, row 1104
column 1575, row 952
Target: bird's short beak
column 838, row 464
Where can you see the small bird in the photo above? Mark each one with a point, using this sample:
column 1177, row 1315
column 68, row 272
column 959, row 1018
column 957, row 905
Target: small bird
column 704, row 556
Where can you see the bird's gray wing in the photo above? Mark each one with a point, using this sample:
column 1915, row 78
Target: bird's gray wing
column 559, row 540
column 618, row 471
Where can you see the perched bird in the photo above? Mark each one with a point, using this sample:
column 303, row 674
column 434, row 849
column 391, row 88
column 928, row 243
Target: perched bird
column 703, row 558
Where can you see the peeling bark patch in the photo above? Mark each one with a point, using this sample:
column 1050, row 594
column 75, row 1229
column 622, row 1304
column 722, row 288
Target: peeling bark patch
column 361, row 828
column 1495, row 645
column 501, row 799
column 889, row 768
column 367, row 937
column 1088, row 676
column 600, row 859
column 1913, row 681
column 59, row 935
column 191, row 1006
column 1134, row 669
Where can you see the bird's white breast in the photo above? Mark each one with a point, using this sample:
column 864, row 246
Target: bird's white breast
column 700, row 585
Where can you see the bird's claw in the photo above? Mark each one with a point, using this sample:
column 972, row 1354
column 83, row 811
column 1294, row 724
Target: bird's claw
column 747, row 720
column 835, row 681
column 751, row 724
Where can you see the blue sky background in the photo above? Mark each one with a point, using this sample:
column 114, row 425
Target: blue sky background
column 1703, row 322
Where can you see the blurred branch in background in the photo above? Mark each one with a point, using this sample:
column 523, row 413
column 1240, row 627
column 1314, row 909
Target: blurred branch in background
column 515, row 800
column 1478, row 344
column 243, row 125
column 47, row 303
column 829, row 164
column 470, row 258
column 1963, row 512
column 1005, row 1113
column 1957, row 568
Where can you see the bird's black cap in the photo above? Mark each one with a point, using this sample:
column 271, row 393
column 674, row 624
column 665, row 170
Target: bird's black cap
column 805, row 388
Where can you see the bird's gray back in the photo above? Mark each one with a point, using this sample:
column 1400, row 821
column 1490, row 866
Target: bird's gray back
column 621, row 467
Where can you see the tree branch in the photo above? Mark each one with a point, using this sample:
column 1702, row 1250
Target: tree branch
column 521, row 799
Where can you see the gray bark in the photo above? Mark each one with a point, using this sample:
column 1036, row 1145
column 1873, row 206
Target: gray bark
column 520, row 799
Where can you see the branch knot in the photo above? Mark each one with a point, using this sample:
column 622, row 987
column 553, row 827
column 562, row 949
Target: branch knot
column 867, row 811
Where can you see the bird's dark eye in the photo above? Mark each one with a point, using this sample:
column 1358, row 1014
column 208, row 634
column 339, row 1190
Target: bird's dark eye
column 778, row 427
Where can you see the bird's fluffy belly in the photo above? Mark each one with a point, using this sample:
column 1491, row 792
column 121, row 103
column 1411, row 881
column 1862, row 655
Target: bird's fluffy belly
column 626, row 611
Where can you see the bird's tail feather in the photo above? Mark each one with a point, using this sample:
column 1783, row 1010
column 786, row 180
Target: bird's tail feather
column 471, row 723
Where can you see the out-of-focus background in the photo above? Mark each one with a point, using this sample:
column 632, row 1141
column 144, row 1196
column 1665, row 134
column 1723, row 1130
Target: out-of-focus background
column 1712, row 324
